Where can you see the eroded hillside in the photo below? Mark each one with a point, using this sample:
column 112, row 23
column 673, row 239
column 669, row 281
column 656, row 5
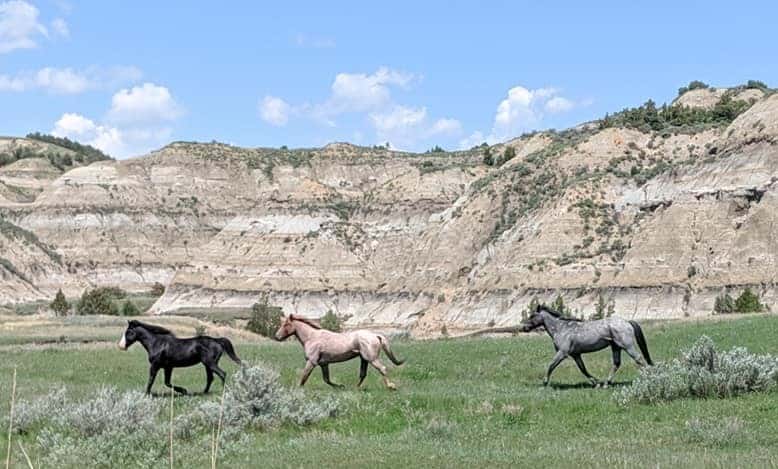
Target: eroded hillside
column 657, row 210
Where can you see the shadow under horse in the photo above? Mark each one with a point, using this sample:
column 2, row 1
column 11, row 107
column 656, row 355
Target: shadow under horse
column 166, row 351
column 574, row 337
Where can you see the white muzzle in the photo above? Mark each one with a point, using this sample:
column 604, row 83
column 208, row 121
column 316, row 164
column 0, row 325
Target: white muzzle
column 123, row 343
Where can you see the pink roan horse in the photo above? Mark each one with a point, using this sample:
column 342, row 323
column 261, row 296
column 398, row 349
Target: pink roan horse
column 323, row 347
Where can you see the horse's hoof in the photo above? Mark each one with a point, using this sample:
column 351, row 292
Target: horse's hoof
column 391, row 386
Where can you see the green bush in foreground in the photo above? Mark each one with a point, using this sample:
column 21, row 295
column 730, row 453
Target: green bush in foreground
column 703, row 372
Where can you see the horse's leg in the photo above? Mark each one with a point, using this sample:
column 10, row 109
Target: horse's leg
column 208, row 379
column 152, row 376
column 382, row 369
column 309, row 366
column 554, row 363
column 219, row 372
column 325, row 373
column 616, row 363
column 635, row 354
column 168, row 375
column 362, row 371
column 581, row 366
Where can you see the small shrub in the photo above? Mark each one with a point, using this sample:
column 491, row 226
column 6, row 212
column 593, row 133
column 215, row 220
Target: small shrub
column 157, row 289
column 331, row 322
column 693, row 85
column 748, row 302
column 760, row 85
column 488, row 159
column 129, row 309
column 703, row 372
column 724, row 304
column 265, row 319
column 256, row 399
column 97, row 301
column 60, row 305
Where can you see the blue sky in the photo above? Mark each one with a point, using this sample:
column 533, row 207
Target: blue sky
column 129, row 77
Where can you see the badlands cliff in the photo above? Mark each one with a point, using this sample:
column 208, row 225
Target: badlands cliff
column 657, row 221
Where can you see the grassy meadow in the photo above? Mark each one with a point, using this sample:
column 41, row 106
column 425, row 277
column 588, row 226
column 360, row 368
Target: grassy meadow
column 461, row 403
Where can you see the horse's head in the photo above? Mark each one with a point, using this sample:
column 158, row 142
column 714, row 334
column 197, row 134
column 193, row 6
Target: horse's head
column 534, row 320
column 286, row 329
column 130, row 335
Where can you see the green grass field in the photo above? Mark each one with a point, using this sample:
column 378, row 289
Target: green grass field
column 461, row 403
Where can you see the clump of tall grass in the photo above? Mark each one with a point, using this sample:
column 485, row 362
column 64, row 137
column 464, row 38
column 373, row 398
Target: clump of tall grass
column 702, row 371
column 716, row 432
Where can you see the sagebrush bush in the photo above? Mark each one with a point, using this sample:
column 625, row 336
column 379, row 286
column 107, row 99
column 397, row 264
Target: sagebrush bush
column 256, row 399
column 702, row 371
column 113, row 428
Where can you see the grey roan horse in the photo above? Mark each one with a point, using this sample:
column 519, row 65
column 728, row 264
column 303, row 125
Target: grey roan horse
column 573, row 337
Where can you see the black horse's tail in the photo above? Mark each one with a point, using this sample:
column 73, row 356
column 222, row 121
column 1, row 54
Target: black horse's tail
column 641, row 339
column 227, row 346
column 388, row 350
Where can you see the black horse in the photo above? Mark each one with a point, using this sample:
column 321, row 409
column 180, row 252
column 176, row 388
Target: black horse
column 166, row 351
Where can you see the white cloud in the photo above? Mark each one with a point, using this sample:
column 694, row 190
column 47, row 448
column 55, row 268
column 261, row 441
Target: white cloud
column 524, row 109
column 19, row 26
column 78, row 127
column 405, row 126
column 359, row 92
column 146, row 103
column 274, row 111
column 68, row 80
column 446, row 126
column 349, row 93
column 474, row 139
column 64, row 81
column 303, row 40
column 558, row 104
column 368, row 95
column 125, row 133
column 60, row 27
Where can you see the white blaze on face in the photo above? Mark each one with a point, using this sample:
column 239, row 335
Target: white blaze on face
column 123, row 343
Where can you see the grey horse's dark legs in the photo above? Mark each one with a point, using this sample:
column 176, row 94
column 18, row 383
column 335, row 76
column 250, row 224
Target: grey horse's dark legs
column 616, row 363
column 635, row 354
column 325, row 373
column 581, row 366
column 554, row 363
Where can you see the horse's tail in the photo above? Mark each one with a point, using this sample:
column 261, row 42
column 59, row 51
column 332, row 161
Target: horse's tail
column 641, row 340
column 388, row 350
column 227, row 346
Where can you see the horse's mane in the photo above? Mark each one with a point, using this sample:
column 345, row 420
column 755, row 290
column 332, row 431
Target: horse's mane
column 310, row 322
column 557, row 314
column 159, row 330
